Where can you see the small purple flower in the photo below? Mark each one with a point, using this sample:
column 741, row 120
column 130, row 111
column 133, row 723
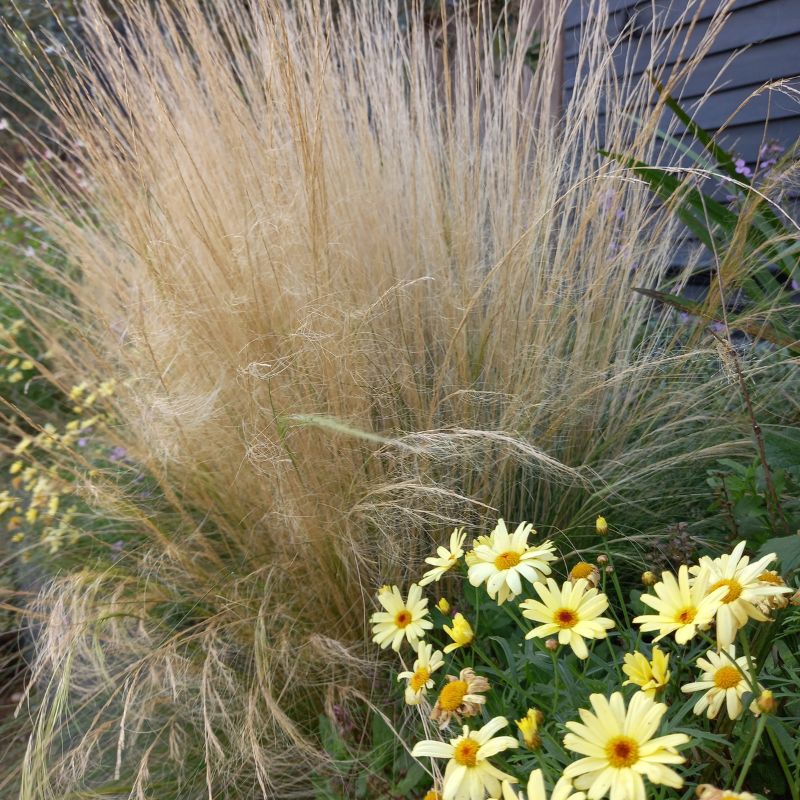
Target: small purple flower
column 118, row 546
column 118, row 453
column 83, row 441
column 742, row 169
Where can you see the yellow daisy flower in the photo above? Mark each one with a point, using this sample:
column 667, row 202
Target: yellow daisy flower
column 724, row 680
column 535, row 790
column 469, row 773
column 445, row 559
column 469, row 557
column 651, row 676
column 619, row 748
column 506, row 559
column 682, row 608
column 419, row 679
column 743, row 589
column 573, row 612
column 401, row 620
column 460, row 697
column 583, row 569
column 461, row 633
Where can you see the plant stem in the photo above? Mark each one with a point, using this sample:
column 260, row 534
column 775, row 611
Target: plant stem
column 554, row 656
column 776, row 746
column 762, row 721
column 618, row 588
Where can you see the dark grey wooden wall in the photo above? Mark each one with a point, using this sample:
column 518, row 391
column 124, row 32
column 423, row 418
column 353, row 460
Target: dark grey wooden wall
column 763, row 34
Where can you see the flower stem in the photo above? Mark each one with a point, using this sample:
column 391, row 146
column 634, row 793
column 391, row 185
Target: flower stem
column 762, row 721
column 776, row 746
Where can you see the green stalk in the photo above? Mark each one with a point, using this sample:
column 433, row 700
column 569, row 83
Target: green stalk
column 762, row 721
column 776, row 746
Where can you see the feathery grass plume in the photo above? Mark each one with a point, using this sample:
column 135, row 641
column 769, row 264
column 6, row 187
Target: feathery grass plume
column 297, row 224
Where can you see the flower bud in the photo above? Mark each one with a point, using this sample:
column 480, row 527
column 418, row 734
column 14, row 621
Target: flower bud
column 767, row 702
column 609, row 569
column 601, row 559
column 551, row 644
column 601, row 526
column 443, row 605
column 529, row 727
column 649, row 578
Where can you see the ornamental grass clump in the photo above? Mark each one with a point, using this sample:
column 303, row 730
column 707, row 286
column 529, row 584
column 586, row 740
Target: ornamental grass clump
column 581, row 731
column 356, row 275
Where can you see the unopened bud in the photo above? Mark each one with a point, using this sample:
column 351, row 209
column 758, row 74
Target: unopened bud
column 551, row 644
column 609, row 569
column 795, row 599
column 767, row 702
column 649, row 578
column 443, row 605
column 601, row 526
column 601, row 559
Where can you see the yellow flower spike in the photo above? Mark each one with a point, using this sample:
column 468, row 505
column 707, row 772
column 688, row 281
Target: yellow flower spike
column 15, row 377
column 18, row 537
column 13, row 364
column 107, row 388
column 601, row 526
column 22, row 445
column 14, row 523
column 72, row 425
column 650, row 676
column 461, row 633
column 443, row 605
column 31, row 515
column 529, row 728
column 15, row 468
column 89, row 400
column 27, row 365
column 52, row 506
column 76, row 391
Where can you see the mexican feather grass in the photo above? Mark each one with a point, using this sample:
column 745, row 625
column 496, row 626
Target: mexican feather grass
column 359, row 279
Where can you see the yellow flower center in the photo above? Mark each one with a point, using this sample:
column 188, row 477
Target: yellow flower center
column 622, row 751
column 769, row 577
column 581, row 570
column 432, row 795
column 466, row 752
column 727, row 677
column 734, row 589
column 565, row 618
column 402, row 618
column 452, row 695
column 686, row 615
column 507, row 560
column 419, row 678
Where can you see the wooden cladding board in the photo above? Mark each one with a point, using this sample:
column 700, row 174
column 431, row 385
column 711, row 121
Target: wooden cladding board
column 759, row 42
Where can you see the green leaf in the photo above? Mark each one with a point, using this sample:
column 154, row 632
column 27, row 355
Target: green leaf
column 787, row 548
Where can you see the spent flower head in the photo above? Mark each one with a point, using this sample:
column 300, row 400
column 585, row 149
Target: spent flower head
column 460, row 697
